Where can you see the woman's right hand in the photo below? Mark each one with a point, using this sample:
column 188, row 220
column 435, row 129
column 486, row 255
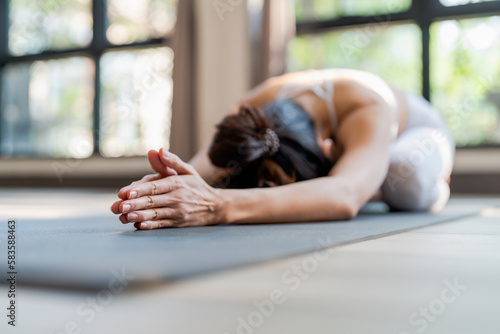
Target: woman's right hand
column 158, row 166
column 184, row 199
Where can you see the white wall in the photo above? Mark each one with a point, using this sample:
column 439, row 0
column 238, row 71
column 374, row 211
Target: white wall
column 223, row 62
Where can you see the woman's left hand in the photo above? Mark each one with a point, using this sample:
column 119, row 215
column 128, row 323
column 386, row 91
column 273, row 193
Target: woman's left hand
column 174, row 201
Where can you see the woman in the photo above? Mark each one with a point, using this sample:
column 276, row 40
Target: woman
column 305, row 146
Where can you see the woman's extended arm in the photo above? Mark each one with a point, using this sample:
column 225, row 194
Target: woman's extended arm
column 365, row 135
column 186, row 200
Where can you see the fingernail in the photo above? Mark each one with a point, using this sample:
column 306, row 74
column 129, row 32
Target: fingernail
column 126, row 208
column 166, row 155
column 133, row 194
column 143, row 225
column 132, row 216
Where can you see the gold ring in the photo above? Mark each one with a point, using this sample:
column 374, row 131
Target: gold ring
column 150, row 202
column 156, row 214
column 154, row 188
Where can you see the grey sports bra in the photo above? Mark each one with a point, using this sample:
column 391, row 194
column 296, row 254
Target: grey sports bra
column 318, row 82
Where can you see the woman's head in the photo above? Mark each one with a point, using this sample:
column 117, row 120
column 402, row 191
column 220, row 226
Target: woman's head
column 273, row 146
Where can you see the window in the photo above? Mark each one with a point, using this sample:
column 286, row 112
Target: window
column 465, row 77
column 352, row 48
column 85, row 77
column 447, row 50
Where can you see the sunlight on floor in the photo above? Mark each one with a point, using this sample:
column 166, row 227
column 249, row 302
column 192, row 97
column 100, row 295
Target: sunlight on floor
column 43, row 212
column 53, row 204
column 490, row 212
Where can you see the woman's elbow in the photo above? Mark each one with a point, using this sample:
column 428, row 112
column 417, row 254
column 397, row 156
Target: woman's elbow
column 344, row 209
column 343, row 202
column 340, row 211
column 349, row 210
column 350, row 202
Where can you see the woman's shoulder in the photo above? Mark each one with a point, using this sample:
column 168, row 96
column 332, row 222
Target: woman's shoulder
column 359, row 85
column 349, row 84
column 341, row 76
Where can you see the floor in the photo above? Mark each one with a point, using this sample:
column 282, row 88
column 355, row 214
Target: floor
column 437, row 279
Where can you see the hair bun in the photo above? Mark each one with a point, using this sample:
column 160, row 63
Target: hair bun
column 272, row 141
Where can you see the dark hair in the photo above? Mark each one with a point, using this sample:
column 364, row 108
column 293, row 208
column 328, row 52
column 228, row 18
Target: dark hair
column 257, row 158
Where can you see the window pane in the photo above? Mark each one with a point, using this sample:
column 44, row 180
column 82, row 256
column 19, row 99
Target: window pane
column 36, row 26
column 449, row 3
column 464, row 78
column 328, row 9
column 136, row 101
column 375, row 48
column 139, row 20
column 47, row 108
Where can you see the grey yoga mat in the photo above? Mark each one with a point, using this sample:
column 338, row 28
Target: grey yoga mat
column 91, row 253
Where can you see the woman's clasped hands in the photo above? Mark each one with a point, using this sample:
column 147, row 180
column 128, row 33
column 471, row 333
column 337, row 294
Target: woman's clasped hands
column 176, row 196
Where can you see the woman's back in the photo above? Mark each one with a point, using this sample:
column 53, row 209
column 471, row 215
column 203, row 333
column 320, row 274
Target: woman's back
column 330, row 95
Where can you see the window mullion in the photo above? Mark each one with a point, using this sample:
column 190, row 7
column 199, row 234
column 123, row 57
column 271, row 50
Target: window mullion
column 97, row 103
column 99, row 41
column 99, row 44
column 426, row 59
column 4, row 28
column 4, row 31
column 425, row 14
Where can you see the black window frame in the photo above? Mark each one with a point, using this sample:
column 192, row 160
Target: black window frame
column 422, row 12
column 95, row 50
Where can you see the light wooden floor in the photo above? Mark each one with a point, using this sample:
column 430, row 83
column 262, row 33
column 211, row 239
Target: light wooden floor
column 398, row 284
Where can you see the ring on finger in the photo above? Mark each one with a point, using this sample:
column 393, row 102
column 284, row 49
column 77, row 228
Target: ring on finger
column 150, row 201
column 153, row 191
column 156, row 214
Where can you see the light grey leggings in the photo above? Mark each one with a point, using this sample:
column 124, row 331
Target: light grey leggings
column 421, row 160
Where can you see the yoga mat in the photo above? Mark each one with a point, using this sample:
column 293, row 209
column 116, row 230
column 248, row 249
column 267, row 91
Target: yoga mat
column 89, row 253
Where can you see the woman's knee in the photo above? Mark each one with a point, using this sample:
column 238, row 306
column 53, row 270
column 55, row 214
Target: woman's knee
column 410, row 189
column 420, row 158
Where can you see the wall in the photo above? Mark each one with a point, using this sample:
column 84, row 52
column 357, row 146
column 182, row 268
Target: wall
column 223, row 61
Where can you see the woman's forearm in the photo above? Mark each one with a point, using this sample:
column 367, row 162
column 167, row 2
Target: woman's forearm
column 327, row 198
